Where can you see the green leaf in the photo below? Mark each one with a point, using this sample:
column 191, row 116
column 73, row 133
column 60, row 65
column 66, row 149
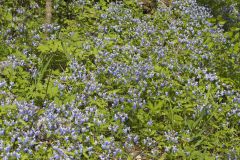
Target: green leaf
column 43, row 48
column 7, row 107
column 177, row 118
column 236, row 48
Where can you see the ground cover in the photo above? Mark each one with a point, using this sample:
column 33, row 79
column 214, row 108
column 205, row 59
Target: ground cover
column 110, row 82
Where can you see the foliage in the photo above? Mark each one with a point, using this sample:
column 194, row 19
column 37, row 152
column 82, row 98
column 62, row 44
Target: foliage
column 113, row 82
column 229, row 10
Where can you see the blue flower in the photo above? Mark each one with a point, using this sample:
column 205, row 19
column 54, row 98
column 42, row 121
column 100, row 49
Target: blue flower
column 150, row 123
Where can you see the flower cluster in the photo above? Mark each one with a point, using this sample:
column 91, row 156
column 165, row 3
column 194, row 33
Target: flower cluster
column 128, row 82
